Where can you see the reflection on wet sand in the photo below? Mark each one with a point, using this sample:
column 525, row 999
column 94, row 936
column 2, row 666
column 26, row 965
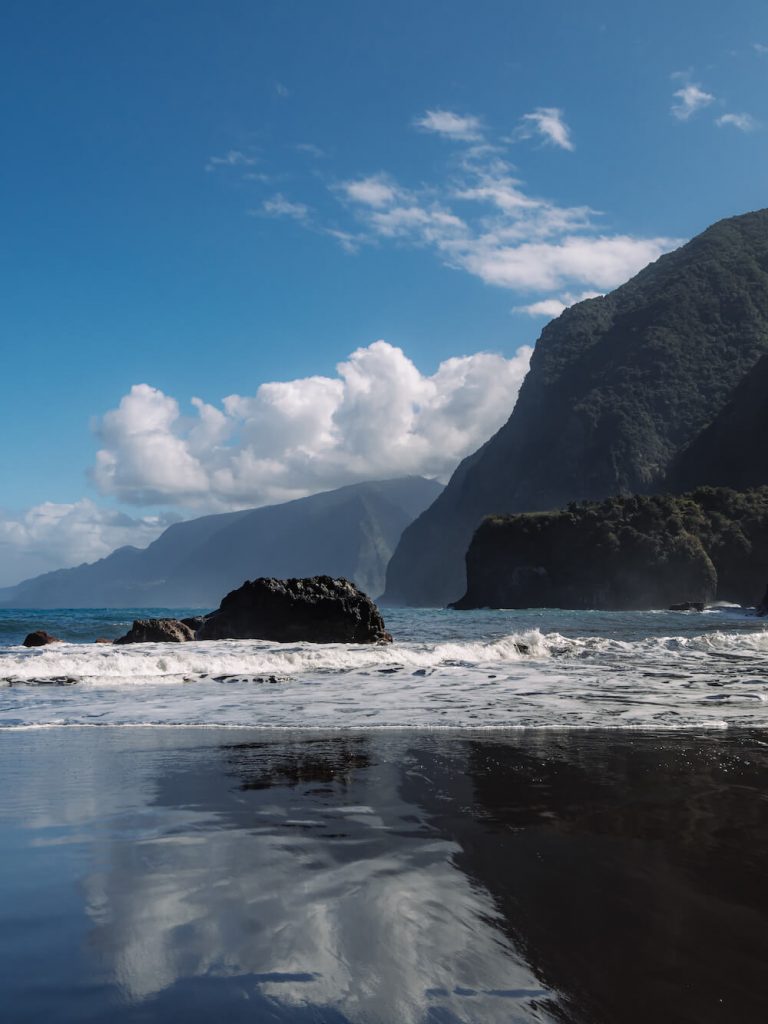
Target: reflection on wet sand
column 386, row 877
column 307, row 878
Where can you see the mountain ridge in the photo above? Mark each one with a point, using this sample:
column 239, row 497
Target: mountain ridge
column 350, row 531
column 618, row 386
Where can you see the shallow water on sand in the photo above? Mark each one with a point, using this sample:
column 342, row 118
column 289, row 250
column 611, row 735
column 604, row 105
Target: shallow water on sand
column 504, row 669
column 240, row 875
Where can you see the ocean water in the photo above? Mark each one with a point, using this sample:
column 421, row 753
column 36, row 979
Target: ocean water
column 532, row 669
column 533, row 817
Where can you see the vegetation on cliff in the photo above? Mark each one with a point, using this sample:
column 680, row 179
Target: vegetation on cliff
column 624, row 552
column 619, row 387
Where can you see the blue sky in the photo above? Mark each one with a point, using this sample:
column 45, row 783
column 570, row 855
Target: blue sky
column 202, row 198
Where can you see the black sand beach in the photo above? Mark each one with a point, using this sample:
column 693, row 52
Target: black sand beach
column 233, row 875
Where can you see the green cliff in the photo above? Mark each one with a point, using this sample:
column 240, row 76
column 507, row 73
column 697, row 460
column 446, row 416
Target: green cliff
column 619, row 387
column 625, row 552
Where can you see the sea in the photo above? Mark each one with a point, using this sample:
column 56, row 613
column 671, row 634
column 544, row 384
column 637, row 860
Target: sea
column 503, row 817
column 531, row 669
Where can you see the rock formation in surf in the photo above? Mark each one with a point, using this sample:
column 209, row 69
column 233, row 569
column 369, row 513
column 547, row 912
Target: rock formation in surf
column 619, row 388
column 317, row 610
column 39, row 638
column 624, row 553
column 155, row 631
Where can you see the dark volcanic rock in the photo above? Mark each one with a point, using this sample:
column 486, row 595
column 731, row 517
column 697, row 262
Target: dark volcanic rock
column 687, row 606
column 194, row 622
column 151, row 631
column 762, row 608
column 40, row 638
column 618, row 387
column 319, row 609
column 626, row 552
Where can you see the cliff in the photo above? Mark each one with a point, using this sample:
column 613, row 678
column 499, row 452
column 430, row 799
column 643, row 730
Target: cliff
column 349, row 532
column 623, row 553
column 619, row 387
column 731, row 451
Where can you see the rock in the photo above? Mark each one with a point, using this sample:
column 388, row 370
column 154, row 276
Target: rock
column 318, row 609
column 762, row 608
column 153, row 631
column 194, row 622
column 40, row 638
column 103, row 640
column 687, row 606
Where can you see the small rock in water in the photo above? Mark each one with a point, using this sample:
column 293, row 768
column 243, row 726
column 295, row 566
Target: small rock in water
column 687, row 606
column 153, row 631
column 52, row 681
column 103, row 640
column 40, row 638
column 249, row 679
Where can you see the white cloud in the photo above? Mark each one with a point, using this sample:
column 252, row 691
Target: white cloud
column 282, row 90
column 375, row 190
column 310, row 149
column 279, row 206
column 692, row 98
column 378, row 417
column 744, row 122
column 461, row 128
column 53, row 535
column 554, row 306
column 549, row 123
column 605, row 261
column 481, row 218
column 760, row 48
column 234, row 158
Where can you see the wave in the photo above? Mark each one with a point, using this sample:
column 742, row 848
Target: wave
column 249, row 658
column 224, row 659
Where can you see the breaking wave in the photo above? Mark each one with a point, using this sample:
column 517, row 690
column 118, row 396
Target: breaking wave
column 559, row 670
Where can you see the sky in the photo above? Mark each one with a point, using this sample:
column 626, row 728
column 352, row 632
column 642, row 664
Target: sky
column 253, row 250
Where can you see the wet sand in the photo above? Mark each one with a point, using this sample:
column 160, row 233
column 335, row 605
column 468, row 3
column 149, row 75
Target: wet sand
column 233, row 875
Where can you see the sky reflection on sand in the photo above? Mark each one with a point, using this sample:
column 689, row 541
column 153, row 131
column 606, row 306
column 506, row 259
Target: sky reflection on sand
column 381, row 877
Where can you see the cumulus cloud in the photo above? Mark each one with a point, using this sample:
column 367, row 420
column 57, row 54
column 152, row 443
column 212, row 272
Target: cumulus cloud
column 691, row 98
column 60, row 535
column 459, row 127
column 378, row 417
column 548, row 122
column 744, row 122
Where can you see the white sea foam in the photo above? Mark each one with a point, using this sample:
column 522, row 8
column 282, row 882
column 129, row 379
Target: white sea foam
column 526, row 679
column 134, row 664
